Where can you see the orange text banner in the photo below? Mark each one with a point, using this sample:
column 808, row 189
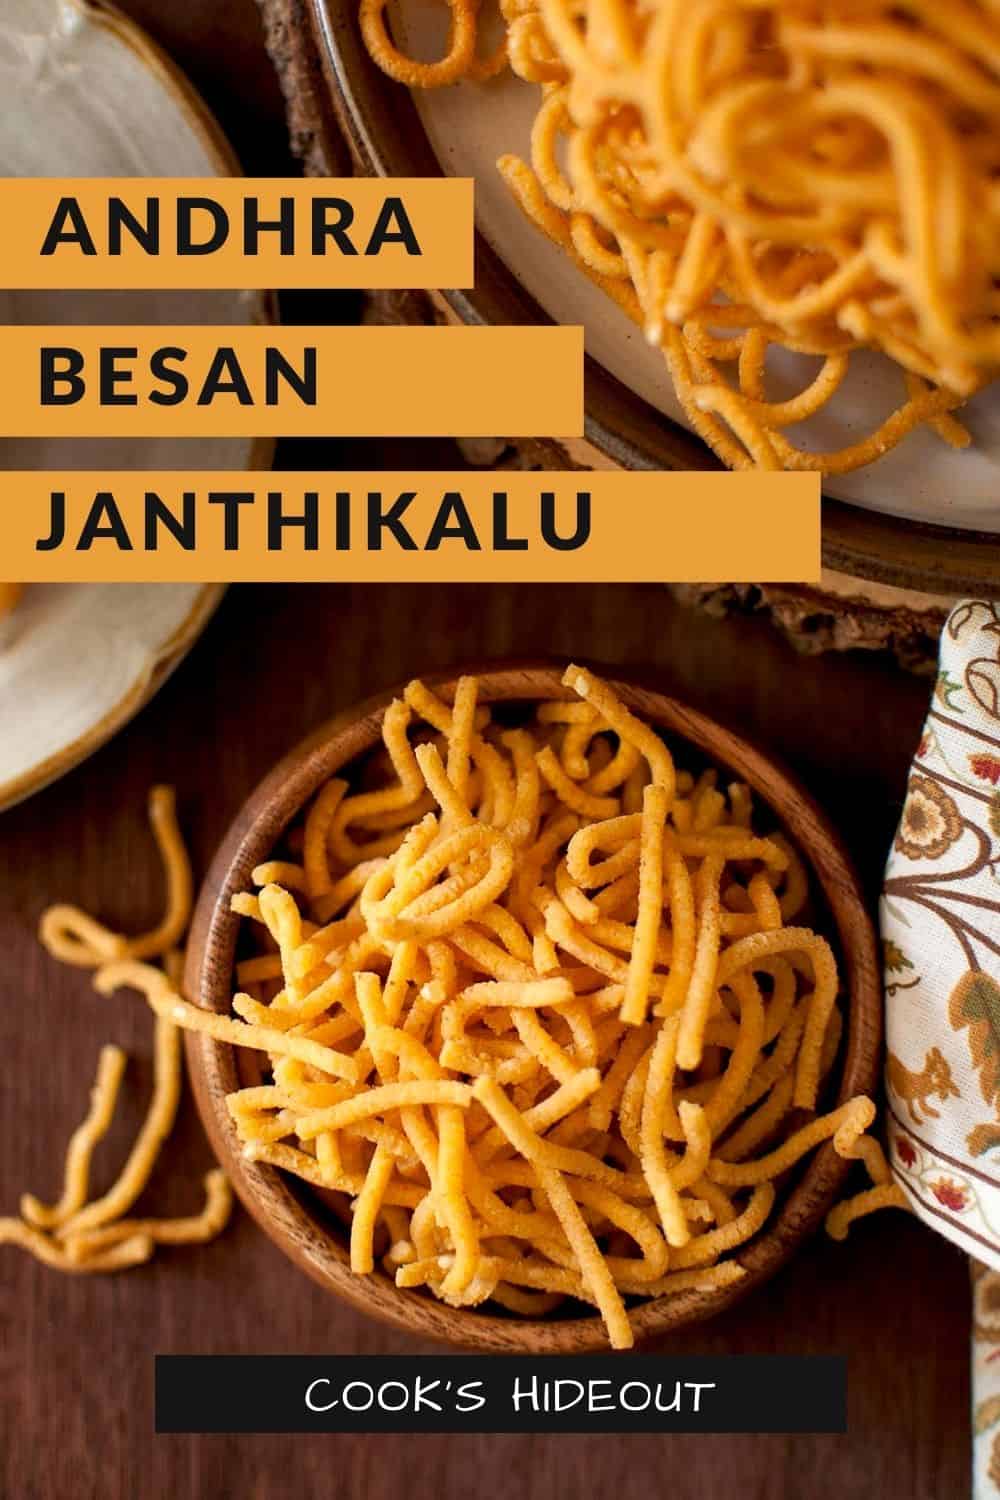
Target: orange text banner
column 201, row 381
column 234, row 233
column 389, row 528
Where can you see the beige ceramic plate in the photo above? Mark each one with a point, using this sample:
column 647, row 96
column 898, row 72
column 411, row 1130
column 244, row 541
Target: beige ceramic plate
column 77, row 660
column 86, row 94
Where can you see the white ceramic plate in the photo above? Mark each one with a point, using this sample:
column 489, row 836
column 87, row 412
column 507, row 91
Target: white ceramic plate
column 470, row 125
column 85, row 94
column 77, row 660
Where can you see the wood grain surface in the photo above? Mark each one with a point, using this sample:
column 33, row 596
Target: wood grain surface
column 76, row 1353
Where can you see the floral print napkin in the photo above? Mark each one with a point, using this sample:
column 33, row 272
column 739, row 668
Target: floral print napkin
column 941, row 932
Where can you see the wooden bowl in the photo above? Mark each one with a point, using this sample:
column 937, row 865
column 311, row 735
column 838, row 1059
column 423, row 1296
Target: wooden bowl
column 295, row 1218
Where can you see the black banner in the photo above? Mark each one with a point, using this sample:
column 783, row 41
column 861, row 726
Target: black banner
column 500, row 1393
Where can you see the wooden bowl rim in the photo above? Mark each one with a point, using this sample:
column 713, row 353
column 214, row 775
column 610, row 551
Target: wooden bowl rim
column 379, row 119
column 285, row 1215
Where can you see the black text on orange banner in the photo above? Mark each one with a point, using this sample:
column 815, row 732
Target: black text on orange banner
column 199, row 381
column 236, row 233
column 607, row 526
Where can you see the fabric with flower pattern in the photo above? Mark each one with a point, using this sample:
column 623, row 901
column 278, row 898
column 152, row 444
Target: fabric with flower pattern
column 931, row 822
column 940, row 920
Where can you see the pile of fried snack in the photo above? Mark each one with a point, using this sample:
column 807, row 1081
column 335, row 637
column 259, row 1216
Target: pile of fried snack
column 788, row 177
column 538, row 1003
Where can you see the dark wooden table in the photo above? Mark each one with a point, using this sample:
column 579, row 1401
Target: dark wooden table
column 76, row 1353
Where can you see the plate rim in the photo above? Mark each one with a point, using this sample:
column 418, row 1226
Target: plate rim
column 106, row 14
column 165, row 657
column 169, row 653
column 175, row 82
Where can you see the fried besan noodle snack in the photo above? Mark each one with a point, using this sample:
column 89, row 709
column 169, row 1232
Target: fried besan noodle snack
column 741, row 175
column 82, row 1236
column 539, row 1007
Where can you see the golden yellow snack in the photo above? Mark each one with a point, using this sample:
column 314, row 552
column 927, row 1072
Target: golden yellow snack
column 82, row 1244
column 134, row 1251
column 76, row 1178
column 155, row 1128
column 76, row 938
column 75, row 1235
column 473, row 999
column 776, row 178
column 511, row 1117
